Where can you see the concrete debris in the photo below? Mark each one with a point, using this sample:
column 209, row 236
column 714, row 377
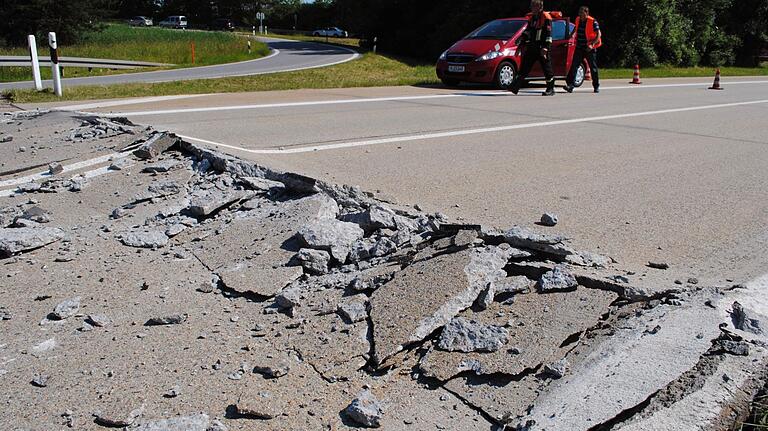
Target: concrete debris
column 173, row 319
column 365, row 410
column 742, row 320
column 658, row 265
column 145, row 239
column 206, row 204
column 7, row 138
column 30, row 187
column 157, row 144
column 117, row 419
column 737, row 348
column 36, row 214
column 55, row 168
column 461, row 335
column 172, row 393
column 383, row 247
column 273, row 367
column 331, row 235
column 514, row 285
column 66, row 309
column 5, row 314
column 19, row 240
column 428, row 294
column 77, row 184
column 556, row 370
column 486, row 297
column 121, row 164
column 355, row 309
column 314, row 262
column 549, row 219
column 40, row 381
column 559, row 279
column 261, row 406
column 288, row 298
column 197, row 422
column 98, row 320
column 162, row 166
column 374, row 218
column 526, row 239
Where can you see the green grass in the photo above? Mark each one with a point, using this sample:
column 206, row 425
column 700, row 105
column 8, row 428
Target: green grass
column 683, row 72
column 157, row 45
column 341, row 41
column 369, row 71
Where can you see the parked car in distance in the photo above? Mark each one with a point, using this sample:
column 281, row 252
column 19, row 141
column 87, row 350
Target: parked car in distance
column 330, row 32
column 222, row 24
column 175, row 21
column 492, row 54
column 140, row 21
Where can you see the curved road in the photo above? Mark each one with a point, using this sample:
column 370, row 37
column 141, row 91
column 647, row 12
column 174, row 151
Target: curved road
column 287, row 55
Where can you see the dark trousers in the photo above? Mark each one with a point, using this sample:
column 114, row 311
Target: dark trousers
column 531, row 55
column 578, row 57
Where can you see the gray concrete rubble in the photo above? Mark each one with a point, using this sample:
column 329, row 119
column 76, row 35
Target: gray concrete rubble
column 174, row 287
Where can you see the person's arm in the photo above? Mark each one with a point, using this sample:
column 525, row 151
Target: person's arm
column 598, row 36
column 546, row 36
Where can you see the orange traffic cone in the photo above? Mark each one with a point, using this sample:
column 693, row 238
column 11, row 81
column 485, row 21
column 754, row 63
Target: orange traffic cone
column 716, row 84
column 636, row 77
column 588, row 76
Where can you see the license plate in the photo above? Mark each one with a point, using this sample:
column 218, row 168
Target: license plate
column 456, row 69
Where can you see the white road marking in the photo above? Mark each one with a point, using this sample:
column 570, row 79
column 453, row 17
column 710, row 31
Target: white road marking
column 123, row 102
column 67, row 168
column 378, row 100
column 437, row 135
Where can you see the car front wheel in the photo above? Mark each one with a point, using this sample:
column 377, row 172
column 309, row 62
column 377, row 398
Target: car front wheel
column 578, row 79
column 505, row 75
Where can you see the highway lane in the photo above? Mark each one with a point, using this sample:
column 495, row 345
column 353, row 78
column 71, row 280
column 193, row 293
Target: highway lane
column 667, row 172
column 287, row 55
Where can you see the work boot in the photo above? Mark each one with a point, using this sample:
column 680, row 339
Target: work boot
column 550, row 89
column 568, row 88
column 597, row 89
column 514, row 88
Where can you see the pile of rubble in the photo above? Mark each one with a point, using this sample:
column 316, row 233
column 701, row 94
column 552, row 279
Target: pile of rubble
column 179, row 288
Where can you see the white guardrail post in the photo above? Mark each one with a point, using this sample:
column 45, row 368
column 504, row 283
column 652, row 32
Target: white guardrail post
column 35, row 62
column 55, row 63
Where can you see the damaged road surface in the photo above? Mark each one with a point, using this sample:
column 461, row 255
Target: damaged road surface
column 164, row 286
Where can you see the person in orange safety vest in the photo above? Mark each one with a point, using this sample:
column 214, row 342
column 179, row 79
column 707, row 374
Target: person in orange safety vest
column 538, row 41
column 588, row 39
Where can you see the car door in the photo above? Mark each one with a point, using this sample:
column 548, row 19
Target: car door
column 561, row 45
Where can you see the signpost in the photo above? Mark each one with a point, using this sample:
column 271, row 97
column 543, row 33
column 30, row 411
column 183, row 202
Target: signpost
column 260, row 16
column 55, row 63
column 35, row 62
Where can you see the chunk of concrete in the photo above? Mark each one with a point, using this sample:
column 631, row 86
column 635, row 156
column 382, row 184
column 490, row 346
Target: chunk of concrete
column 331, row 235
column 365, row 410
column 376, row 217
column 198, row 422
column 145, row 239
column 261, row 406
column 559, row 279
column 18, row 240
column 157, row 144
column 354, row 309
column 462, row 335
column 428, row 294
column 526, row 239
column 314, row 262
column 66, row 308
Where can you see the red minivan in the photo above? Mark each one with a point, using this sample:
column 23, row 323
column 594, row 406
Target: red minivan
column 491, row 54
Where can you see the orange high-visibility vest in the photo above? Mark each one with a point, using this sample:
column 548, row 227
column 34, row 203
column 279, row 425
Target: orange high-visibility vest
column 591, row 35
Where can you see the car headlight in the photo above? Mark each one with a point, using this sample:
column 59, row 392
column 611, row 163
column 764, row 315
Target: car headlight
column 444, row 55
column 490, row 56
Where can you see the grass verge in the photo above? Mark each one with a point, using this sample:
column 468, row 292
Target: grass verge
column 372, row 70
column 157, row 45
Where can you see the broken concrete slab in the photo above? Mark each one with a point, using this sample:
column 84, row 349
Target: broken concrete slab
column 623, row 370
column 559, row 279
column 541, row 329
column 501, row 399
column 162, row 166
column 172, row 319
column 428, row 294
column 314, row 262
column 331, row 235
column 19, row 240
column 526, row 239
column 260, row 407
column 354, row 309
column 157, row 144
column 203, row 205
column 375, row 217
column 66, row 309
column 266, row 275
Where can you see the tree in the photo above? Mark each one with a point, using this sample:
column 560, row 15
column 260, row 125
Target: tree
column 70, row 19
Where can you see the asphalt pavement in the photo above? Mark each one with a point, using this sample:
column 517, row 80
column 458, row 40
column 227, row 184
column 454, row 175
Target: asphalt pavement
column 286, row 55
column 668, row 171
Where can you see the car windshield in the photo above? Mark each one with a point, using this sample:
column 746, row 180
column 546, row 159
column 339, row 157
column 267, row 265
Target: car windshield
column 499, row 29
